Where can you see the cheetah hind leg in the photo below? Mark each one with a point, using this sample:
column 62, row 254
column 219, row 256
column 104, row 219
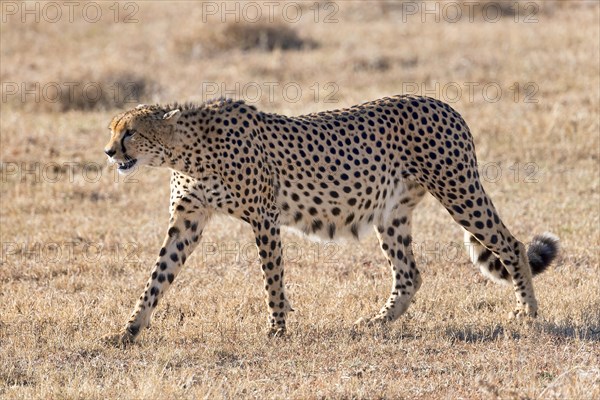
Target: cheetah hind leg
column 493, row 241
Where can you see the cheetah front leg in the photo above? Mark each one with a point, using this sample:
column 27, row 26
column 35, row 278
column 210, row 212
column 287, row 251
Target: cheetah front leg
column 396, row 242
column 268, row 241
column 183, row 235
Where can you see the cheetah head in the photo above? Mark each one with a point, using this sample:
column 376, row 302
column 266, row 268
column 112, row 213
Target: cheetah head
column 141, row 136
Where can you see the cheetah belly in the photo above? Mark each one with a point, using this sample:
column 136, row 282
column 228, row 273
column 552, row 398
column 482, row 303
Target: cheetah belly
column 352, row 222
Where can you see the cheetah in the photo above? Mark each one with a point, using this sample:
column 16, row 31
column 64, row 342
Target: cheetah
column 331, row 174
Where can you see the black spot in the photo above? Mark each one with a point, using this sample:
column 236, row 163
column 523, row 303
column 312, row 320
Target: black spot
column 316, row 225
column 484, row 256
column 134, row 330
column 457, row 209
column 349, row 219
column 331, row 230
column 354, row 230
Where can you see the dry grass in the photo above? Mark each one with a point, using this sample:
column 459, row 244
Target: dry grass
column 99, row 93
column 76, row 249
column 211, row 39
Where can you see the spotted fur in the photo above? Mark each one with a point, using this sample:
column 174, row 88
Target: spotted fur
column 330, row 174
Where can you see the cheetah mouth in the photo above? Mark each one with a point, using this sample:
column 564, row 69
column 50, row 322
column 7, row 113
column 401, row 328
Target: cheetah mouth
column 126, row 165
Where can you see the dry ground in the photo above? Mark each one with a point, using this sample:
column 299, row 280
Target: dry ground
column 78, row 242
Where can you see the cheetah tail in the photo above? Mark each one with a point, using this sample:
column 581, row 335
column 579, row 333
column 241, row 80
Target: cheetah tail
column 542, row 250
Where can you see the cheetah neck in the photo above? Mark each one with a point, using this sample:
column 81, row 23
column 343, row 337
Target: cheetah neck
column 173, row 153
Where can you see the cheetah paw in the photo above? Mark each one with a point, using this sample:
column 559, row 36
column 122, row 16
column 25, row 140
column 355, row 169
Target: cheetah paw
column 275, row 332
column 121, row 339
column 378, row 320
column 522, row 314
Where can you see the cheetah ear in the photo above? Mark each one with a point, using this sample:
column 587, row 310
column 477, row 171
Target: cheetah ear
column 172, row 116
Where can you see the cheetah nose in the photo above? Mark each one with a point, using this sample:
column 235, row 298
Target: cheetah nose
column 110, row 152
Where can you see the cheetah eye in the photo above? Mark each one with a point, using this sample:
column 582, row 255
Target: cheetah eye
column 128, row 133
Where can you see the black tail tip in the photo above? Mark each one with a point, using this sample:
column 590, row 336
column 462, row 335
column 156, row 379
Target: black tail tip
column 542, row 250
